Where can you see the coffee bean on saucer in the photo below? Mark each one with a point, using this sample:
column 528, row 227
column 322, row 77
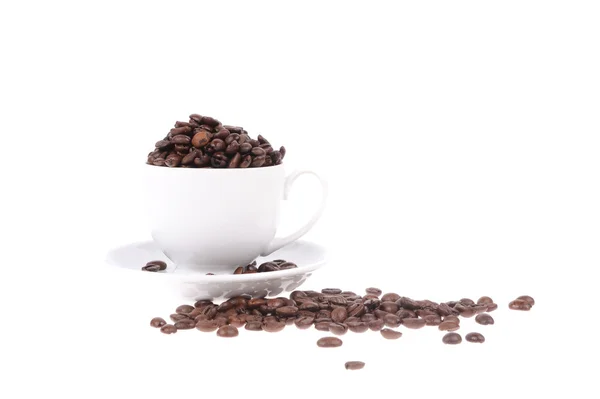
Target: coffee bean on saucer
column 162, row 265
column 329, row 342
column 354, row 365
column 484, row 319
column 475, row 337
column 168, row 329
column 157, row 322
column 227, row 331
column 452, row 339
column 239, row 270
column 390, row 334
column 151, row 268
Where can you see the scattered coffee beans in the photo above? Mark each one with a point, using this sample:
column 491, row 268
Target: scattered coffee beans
column 355, row 365
column 452, row 339
column 475, row 337
column 390, row 334
column 203, row 142
column 329, row 342
column 484, row 319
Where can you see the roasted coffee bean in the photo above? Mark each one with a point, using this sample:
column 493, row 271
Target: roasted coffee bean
column 338, row 328
column 222, row 134
column 367, row 317
column 262, row 140
column 282, row 151
column 227, row 331
column 217, row 145
column 186, row 324
column 337, row 300
column 329, row 342
column 275, row 157
column 519, row 304
column 256, row 302
column 390, row 297
column 380, row 314
column 177, row 317
column 157, row 322
column 475, row 337
column 168, row 329
column 391, row 320
column 479, row 309
column 207, row 120
column 390, row 334
column 268, row 149
column 374, row 291
column 322, row 325
column 202, row 161
column 221, row 321
column 275, row 303
column 273, row 326
column 468, row 312
column 286, row 265
column 331, row 291
column 354, row 365
column 236, row 321
column 357, row 326
column 371, row 303
column 484, row 300
column 162, row 265
column 253, row 326
column 173, row 160
column 370, row 296
column 467, row 301
column 304, row 322
column 239, row 270
column 206, row 325
column 181, row 139
column 484, row 319
column 202, row 303
column 151, row 268
column 258, row 161
column 268, row 267
column 448, row 326
column 452, row 339
column 286, row 311
column 233, row 148
column 356, row 310
column 254, row 143
column 246, row 161
column 163, row 144
column 196, row 118
column 184, row 309
column 491, row 307
column 376, row 325
column 339, row 315
column 233, row 129
column 231, row 138
column 527, row 299
column 189, row 158
column 406, row 314
column 219, row 160
column 309, row 305
column 408, row 303
column 245, row 148
column 432, row 320
column 444, row 309
column 413, row 323
column 389, row 307
column 257, row 152
column 425, row 312
column 201, row 138
column 452, row 318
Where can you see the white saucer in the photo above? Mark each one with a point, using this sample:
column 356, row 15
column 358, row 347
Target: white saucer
column 190, row 285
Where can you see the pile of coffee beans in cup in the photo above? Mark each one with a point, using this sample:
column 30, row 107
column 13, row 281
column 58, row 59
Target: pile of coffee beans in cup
column 204, row 142
column 333, row 311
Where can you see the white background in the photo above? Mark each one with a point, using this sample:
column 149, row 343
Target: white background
column 460, row 140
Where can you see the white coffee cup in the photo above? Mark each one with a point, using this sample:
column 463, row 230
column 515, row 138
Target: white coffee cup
column 215, row 219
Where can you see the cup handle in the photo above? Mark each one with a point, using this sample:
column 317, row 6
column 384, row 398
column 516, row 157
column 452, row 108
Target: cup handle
column 279, row 242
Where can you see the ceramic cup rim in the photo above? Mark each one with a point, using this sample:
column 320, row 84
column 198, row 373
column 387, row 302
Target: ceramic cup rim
column 216, row 170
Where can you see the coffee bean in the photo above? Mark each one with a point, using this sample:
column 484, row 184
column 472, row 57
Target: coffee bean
column 163, row 144
column 181, row 139
column 475, row 337
column 168, row 329
column 329, row 342
column 286, row 311
column 268, row 267
column 287, row 265
column 273, row 326
column 468, row 312
column 389, row 307
column 322, row 324
column 357, row 326
column 484, row 319
column 519, row 304
column 177, row 317
column 227, row 331
column 173, row 160
column 282, row 151
column 452, row 318
column 253, row 326
column 452, row 339
column 185, row 324
column 245, row 148
column 390, row 297
column 202, row 303
column 256, row 302
column 236, row 321
column 219, row 160
column 206, row 325
column 444, row 309
column 184, row 309
column 376, row 325
column 390, row 334
column 406, row 314
column 527, row 299
column 467, row 301
column 338, row 328
column 331, row 291
column 391, row 320
column 448, row 326
column 368, row 317
column 304, row 322
column 246, row 161
column 356, row 310
column 413, row 323
column 157, row 322
column 275, row 303
column 232, row 148
column 222, row 134
column 484, row 300
column 432, row 320
column 275, row 157
column 151, row 268
column 354, row 365
column 189, row 158
column 408, row 303
column 480, row 309
column 257, row 151
column 238, row 270
column 258, row 161
column 374, row 291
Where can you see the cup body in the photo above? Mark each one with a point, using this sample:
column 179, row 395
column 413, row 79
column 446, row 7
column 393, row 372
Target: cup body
column 213, row 219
